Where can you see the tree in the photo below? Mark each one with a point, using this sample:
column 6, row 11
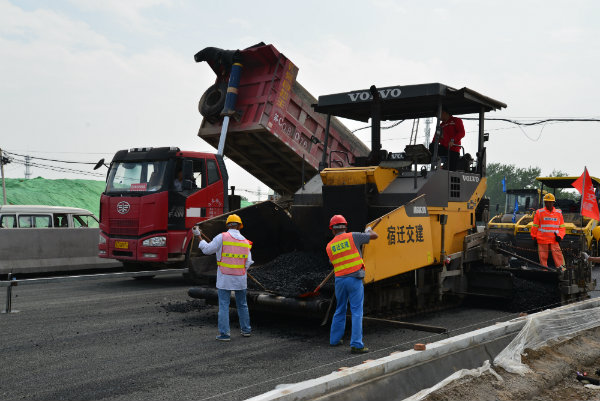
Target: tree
column 567, row 193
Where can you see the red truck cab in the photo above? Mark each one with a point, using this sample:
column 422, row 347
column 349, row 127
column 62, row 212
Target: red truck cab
column 152, row 199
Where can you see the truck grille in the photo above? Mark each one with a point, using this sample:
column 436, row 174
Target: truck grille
column 124, row 226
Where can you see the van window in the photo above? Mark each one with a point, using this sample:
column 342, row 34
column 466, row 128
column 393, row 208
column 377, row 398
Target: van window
column 61, row 220
column 29, row 221
column 25, row 222
column 8, row 221
column 84, row 221
column 212, row 171
column 42, row 221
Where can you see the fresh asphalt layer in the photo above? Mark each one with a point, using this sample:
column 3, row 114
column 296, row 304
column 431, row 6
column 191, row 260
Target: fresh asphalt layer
column 126, row 339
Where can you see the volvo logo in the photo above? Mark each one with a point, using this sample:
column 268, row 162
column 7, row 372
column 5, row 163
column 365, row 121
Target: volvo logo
column 383, row 93
column 123, row 207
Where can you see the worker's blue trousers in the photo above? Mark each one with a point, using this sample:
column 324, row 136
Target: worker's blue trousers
column 348, row 289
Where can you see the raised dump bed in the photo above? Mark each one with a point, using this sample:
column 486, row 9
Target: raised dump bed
column 276, row 133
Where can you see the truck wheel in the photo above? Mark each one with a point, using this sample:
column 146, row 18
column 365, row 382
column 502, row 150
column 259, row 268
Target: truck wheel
column 212, row 101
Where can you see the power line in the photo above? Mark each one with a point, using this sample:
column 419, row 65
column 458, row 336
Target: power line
column 388, row 127
column 50, row 160
column 57, row 168
column 543, row 121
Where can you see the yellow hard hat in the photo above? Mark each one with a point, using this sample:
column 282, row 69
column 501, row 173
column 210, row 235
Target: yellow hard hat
column 234, row 218
column 549, row 198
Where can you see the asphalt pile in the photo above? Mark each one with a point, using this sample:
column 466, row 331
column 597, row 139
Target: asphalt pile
column 532, row 296
column 292, row 274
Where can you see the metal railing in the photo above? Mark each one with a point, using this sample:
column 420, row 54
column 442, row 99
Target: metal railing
column 13, row 281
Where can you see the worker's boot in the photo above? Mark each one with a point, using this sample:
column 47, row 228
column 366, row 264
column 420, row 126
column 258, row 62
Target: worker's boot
column 362, row 350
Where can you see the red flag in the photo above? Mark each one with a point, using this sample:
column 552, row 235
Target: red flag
column 589, row 205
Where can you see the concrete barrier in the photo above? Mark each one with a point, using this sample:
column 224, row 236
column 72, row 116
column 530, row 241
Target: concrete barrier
column 403, row 374
column 37, row 250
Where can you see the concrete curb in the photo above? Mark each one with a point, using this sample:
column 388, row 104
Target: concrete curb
column 448, row 356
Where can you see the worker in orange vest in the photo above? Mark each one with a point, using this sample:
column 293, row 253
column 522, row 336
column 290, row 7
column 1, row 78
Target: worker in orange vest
column 345, row 254
column 547, row 231
column 233, row 258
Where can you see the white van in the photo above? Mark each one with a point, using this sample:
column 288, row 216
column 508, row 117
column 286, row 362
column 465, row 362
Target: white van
column 40, row 216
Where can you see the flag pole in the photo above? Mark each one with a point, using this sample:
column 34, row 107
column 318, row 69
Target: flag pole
column 581, row 208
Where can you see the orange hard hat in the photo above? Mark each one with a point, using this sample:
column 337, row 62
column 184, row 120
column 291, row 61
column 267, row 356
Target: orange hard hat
column 337, row 220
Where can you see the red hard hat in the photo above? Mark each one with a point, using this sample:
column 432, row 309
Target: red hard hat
column 337, row 219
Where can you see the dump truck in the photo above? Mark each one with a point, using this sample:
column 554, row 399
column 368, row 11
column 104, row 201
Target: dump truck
column 275, row 135
column 146, row 218
column 430, row 253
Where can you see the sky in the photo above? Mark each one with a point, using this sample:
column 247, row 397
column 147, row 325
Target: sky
column 83, row 79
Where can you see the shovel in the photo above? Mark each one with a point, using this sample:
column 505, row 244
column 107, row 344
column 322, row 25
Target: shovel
column 316, row 291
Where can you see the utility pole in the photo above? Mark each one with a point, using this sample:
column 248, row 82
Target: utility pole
column 2, row 162
column 427, row 131
column 27, row 167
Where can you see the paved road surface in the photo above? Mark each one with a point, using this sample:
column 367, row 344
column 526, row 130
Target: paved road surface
column 125, row 339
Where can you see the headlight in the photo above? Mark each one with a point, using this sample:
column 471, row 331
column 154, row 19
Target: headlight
column 102, row 240
column 155, row 241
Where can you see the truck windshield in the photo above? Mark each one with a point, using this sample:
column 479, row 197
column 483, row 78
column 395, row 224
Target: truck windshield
column 139, row 176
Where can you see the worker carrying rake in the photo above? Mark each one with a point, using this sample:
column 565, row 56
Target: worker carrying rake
column 344, row 252
column 233, row 258
column 547, row 231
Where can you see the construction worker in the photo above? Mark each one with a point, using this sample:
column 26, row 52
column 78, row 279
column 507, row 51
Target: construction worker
column 345, row 254
column 547, row 231
column 453, row 131
column 178, row 182
column 233, row 258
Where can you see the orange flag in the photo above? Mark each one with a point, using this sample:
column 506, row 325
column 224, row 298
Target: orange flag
column 589, row 204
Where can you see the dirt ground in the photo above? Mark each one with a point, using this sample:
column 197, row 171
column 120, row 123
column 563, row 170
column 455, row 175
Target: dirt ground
column 554, row 375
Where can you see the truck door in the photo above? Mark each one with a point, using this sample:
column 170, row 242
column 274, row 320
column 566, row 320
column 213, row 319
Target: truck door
column 208, row 202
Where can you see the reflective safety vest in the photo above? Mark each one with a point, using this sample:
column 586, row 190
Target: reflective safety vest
column 547, row 223
column 234, row 254
column 344, row 255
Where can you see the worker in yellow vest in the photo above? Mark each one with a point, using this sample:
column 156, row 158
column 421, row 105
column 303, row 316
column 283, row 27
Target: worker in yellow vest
column 233, row 258
column 345, row 254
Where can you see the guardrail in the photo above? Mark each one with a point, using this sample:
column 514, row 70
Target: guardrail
column 45, row 250
column 13, row 281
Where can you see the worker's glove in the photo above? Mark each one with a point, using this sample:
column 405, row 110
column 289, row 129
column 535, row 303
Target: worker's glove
column 585, row 256
column 557, row 238
column 369, row 230
column 196, row 231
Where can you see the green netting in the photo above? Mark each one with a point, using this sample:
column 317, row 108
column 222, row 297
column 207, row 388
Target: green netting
column 72, row 193
column 40, row 191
